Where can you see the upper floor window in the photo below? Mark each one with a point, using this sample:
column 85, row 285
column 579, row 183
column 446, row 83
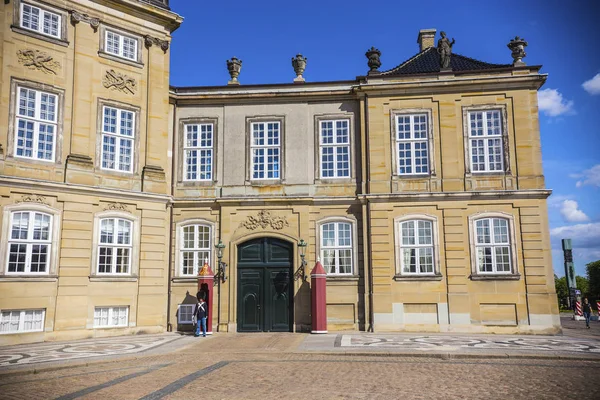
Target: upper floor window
column 118, row 131
column 335, row 148
column 115, row 246
column 493, row 246
column 198, row 152
column 412, row 144
column 416, row 247
column 36, row 124
column 336, row 248
column 486, row 140
column 195, row 248
column 265, row 150
column 18, row 321
column 121, row 45
column 40, row 20
column 29, row 243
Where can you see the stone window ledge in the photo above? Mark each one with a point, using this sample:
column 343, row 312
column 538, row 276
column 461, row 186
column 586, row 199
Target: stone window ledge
column 98, row 278
column 265, row 182
column 342, row 279
column 496, row 277
column 112, row 57
column 345, row 181
column 28, row 278
column 188, row 184
column 37, row 35
column 410, row 278
column 186, row 279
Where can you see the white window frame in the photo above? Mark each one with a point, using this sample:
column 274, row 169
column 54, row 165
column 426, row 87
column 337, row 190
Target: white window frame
column 209, row 149
column 513, row 273
column 7, row 219
column 21, row 325
column 119, row 137
column 198, row 260
column 115, row 246
column 337, row 247
column 336, row 146
column 110, row 316
column 121, row 47
column 29, row 242
column 416, row 246
column 412, row 141
column 265, row 147
column 37, row 121
column 42, row 12
column 179, row 227
column 493, row 245
column 182, row 321
column 486, row 137
column 436, row 274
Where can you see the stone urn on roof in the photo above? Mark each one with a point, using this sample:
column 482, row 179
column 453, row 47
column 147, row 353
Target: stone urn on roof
column 373, row 62
column 234, row 66
column 299, row 64
column 517, row 47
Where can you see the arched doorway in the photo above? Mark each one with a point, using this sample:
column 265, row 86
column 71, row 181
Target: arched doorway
column 265, row 289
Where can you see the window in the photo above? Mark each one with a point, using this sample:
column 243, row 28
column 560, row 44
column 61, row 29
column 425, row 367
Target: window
column 416, row 247
column 109, row 317
column 198, row 152
column 29, row 243
column 36, row 124
column 115, row 246
column 40, row 20
column 265, row 150
column 195, row 248
column 20, row 321
column 412, row 147
column 492, row 246
column 485, row 140
column 121, row 45
column 118, row 131
column 184, row 315
column 335, row 148
column 336, row 247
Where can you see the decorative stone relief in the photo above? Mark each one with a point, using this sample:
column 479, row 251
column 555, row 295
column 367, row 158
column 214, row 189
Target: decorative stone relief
column 77, row 17
column 149, row 41
column 33, row 198
column 264, row 219
column 116, row 207
column 35, row 59
column 117, row 81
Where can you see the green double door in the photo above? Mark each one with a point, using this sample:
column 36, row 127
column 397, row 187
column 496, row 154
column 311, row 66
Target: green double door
column 265, row 289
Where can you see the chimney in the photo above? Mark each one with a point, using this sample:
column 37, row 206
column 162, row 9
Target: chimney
column 426, row 39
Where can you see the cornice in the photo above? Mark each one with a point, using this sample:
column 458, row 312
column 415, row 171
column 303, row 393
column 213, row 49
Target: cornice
column 147, row 11
column 539, row 194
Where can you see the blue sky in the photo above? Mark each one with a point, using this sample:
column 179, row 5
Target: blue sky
column 334, row 35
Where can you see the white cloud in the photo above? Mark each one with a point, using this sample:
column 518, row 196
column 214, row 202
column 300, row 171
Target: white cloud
column 556, row 200
column 552, row 103
column 590, row 177
column 571, row 212
column 592, row 86
column 584, row 236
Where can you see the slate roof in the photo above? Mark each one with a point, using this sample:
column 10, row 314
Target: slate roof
column 428, row 61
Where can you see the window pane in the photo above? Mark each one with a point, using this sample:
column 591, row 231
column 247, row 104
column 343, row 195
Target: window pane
column 20, row 225
column 112, row 43
column 105, row 257
column 17, row 257
column 26, row 102
column 328, row 237
column 425, row 234
column 484, row 257
column 409, row 261
column 110, row 120
column 39, row 257
column 203, row 237
column 187, row 263
column 408, row 233
column 31, row 17
column 345, row 261
column 502, row 259
column 426, row 260
column 125, row 154
column 126, row 127
column 328, row 258
column 124, row 232
column 483, row 231
column 500, row 231
column 129, row 48
column 41, row 227
column 107, row 228
column 109, row 150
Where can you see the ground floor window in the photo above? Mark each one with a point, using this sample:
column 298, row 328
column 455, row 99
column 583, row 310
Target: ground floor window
column 18, row 321
column 184, row 315
column 108, row 317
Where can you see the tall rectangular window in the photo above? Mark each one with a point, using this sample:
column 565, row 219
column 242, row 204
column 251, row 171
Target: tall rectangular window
column 416, row 247
column 121, row 45
column 184, row 313
column 335, row 148
column 109, row 317
column 492, row 245
column 40, row 20
column 485, row 141
column 17, row 321
column 36, row 124
column 29, row 243
column 195, row 248
column 412, row 147
column 265, row 150
column 115, row 246
column 336, row 247
column 118, row 131
column 198, row 152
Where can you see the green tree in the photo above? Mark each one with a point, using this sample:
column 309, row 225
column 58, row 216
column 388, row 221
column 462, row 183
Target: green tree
column 593, row 275
column 583, row 285
column 562, row 291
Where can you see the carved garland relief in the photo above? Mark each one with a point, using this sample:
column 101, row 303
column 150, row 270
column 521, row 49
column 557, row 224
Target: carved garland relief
column 264, row 219
column 33, row 198
column 116, row 207
column 38, row 60
column 117, row 81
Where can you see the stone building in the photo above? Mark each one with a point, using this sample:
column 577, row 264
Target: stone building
column 420, row 188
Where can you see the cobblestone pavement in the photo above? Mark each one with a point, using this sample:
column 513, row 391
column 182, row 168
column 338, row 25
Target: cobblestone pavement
column 269, row 366
column 578, row 329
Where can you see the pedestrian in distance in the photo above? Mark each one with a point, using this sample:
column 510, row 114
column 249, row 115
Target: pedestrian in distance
column 200, row 316
column 587, row 312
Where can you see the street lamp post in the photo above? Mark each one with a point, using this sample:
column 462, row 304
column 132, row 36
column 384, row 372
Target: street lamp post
column 220, row 276
column 300, row 273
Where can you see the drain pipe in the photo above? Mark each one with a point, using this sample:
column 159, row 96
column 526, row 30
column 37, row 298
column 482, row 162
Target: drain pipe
column 366, row 180
column 170, row 205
